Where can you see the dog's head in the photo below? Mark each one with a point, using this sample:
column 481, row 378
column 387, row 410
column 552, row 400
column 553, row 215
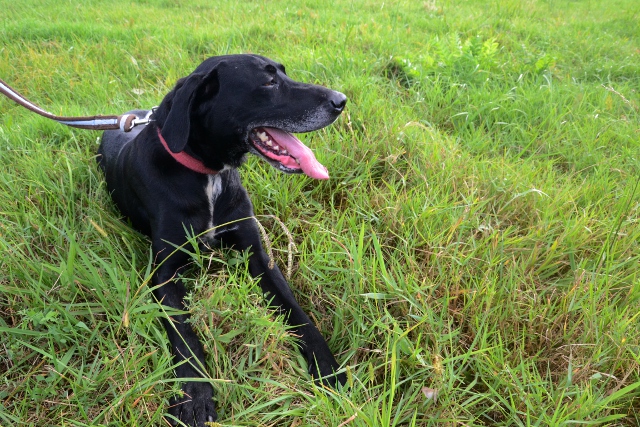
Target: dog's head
column 235, row 104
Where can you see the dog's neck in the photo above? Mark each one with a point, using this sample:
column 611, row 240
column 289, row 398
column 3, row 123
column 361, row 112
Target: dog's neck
column 186, row 160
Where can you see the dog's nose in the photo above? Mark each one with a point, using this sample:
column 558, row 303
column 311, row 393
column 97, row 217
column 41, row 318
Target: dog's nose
column 338, row 101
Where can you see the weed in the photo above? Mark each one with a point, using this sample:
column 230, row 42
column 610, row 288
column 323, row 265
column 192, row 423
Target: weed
column 473, row 260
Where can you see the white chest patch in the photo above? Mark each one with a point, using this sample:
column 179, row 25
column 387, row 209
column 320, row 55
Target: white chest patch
column 212, row 190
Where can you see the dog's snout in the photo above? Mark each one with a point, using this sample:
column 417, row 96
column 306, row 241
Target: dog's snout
column 338, row 101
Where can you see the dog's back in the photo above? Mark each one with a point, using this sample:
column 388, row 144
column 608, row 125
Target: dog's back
column 112, row 141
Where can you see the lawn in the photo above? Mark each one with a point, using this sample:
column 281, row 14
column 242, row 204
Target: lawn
column 474, row 259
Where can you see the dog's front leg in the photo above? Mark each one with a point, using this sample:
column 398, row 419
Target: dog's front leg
column 322, row 363
column 195, row 406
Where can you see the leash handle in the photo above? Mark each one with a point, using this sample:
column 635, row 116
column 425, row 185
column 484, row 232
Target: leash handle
column 124, row 122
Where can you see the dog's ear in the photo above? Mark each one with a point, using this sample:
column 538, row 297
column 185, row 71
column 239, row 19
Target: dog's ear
column 177, row 124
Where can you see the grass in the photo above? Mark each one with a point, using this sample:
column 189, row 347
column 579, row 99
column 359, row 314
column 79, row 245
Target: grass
column 478, row 239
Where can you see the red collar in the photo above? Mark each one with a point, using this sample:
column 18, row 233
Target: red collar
column 186, row 160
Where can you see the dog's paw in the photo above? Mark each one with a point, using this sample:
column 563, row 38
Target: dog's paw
column 324, row 373
column 194, row 407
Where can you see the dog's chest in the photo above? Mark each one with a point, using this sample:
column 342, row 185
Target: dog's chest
column 225, row 201
column 212, row 190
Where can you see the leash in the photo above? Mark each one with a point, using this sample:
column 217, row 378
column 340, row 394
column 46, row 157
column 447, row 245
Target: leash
column 124, row 122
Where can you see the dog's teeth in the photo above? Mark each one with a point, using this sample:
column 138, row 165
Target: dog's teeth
column 276, row 147
column 285, row 152
column 269, row 143
column 297, row 161
column 263, row 136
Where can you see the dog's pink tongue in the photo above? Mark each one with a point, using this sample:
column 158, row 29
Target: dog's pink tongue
column 308, row 163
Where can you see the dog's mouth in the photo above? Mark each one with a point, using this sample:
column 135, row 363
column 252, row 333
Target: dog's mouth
column 286, row 152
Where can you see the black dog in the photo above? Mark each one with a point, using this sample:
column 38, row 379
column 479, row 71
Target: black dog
column 179, row 173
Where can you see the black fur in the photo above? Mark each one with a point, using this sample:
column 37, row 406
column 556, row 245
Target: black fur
column 209, row 115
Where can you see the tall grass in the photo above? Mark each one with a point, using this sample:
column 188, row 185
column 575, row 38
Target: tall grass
column 473, row 259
